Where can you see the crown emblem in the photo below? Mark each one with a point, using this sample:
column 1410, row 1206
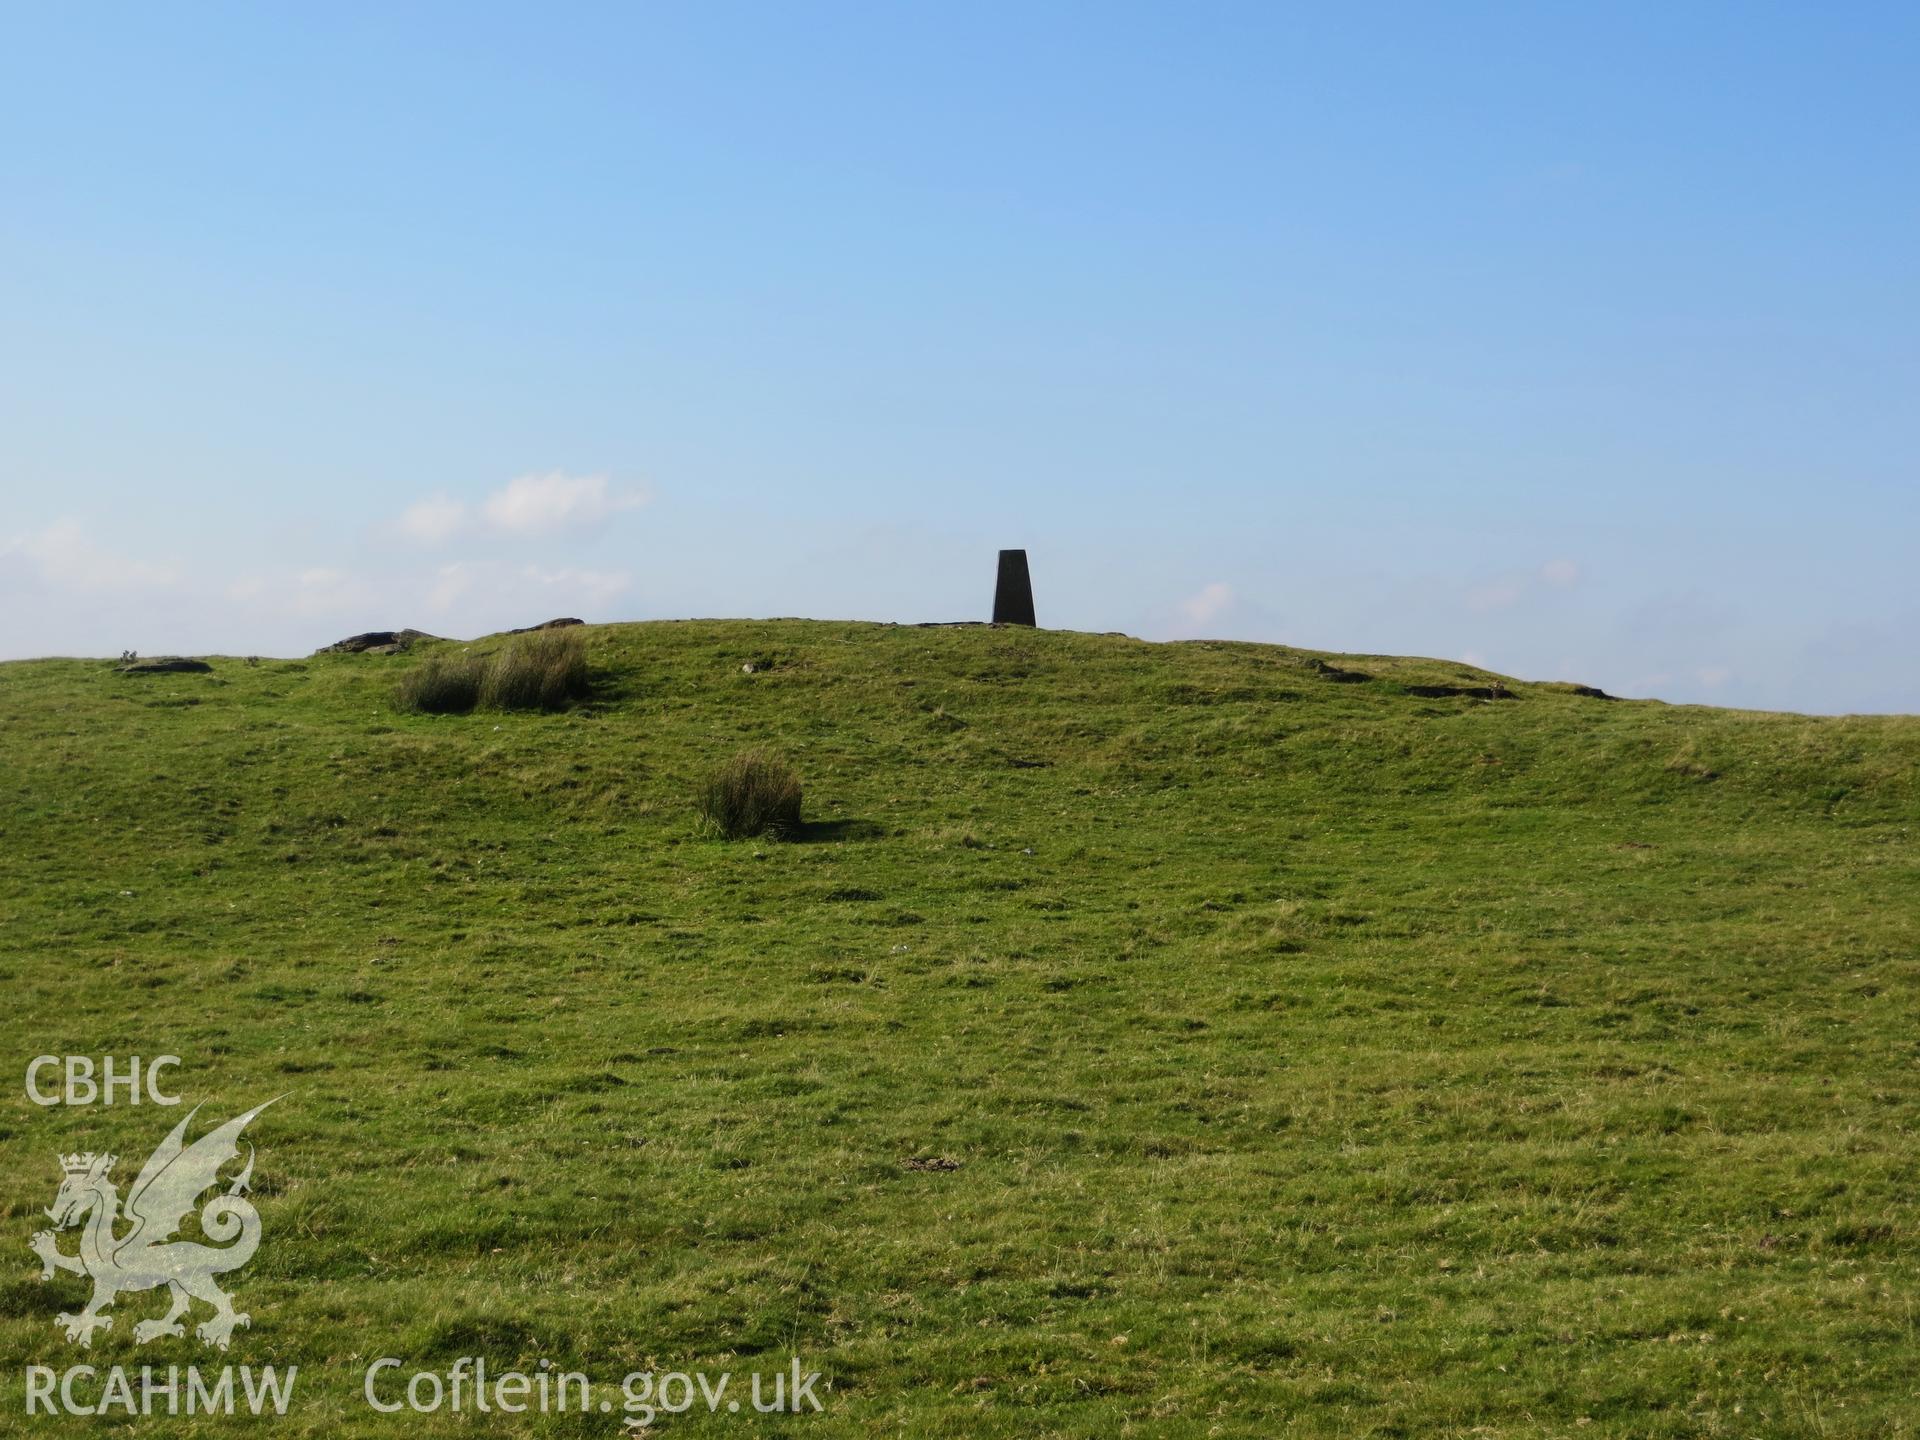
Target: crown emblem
column 78, row 1164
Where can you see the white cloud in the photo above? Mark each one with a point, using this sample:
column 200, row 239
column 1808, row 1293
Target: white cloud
column 1216, row 611
column 69, row 559
column 483, row 593
column 1211, row 602
column 321, row 591
column 598, row 586
column 536, row 504
column 1714, row 676
column 450, row 582
column 526, row 505
column 434, row 520
column 1496, row 596
column 1509, row 590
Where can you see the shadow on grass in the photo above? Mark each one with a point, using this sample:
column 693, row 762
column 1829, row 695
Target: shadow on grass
column 610, row 689
column 820, row 832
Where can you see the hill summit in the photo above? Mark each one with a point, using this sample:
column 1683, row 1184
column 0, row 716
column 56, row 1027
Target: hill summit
column 1130, row 1035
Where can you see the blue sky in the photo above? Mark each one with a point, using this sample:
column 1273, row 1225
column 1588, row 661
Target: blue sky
column 1579, row 341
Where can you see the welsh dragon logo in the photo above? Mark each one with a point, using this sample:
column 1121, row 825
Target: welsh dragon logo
column 146, row 1256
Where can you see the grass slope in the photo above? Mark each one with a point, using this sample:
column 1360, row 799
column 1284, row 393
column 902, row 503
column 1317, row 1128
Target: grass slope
column 1321, row 1058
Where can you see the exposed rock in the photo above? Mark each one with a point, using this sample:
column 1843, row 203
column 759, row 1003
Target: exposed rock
column 1450, row 692
column 164, row 665
column 559, row 624
column 375, row 642
column 1335, row 673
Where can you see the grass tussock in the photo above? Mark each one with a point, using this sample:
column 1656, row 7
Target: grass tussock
column 543, row 671
column 754, row 793
column 443, row 685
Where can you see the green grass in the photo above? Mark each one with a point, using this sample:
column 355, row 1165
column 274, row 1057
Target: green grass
column 1320, row 1058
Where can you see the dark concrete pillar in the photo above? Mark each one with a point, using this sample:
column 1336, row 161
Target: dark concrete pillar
column 1013, row 595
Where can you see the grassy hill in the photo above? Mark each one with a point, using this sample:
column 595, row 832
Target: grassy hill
column 1319, row 1056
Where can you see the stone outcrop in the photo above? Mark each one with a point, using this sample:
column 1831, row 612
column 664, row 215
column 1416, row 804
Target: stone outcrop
column 375, row 642
column 164, row 665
